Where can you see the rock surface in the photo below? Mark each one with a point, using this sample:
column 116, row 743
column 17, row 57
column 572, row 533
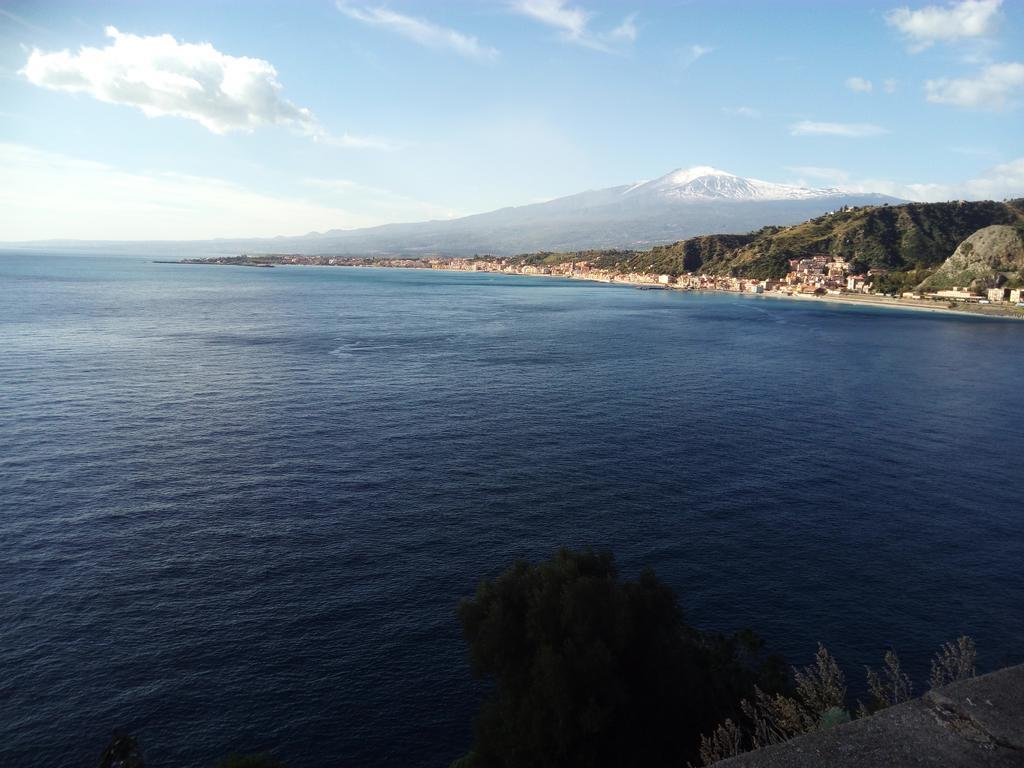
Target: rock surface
column 976, row 723
column 986, row 259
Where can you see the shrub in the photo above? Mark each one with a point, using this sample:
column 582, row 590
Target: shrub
column 833, row 717
column 725, row 741
column 955, row 661
column 894, row 689
column 821, row 686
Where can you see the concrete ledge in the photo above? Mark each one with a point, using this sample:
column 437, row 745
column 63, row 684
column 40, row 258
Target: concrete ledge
column 976, row 723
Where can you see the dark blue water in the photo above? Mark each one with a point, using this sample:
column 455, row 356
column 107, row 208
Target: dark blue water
column 240, row 505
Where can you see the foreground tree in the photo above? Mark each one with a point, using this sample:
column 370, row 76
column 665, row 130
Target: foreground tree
column 250, row 761
column 123, row 751
column 592, row 671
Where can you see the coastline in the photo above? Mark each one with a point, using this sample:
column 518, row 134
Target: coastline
column 987, row 311
column 914, row 305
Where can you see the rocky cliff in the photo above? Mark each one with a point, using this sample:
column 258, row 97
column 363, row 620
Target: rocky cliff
column 990, row 258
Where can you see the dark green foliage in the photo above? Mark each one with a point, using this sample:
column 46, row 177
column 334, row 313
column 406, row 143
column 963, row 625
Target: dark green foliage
column 250, row 761
column 607, row 259
column 899, row 282
column 900, row 237
column 833, row 717
column 590, row 670
column 690, row 255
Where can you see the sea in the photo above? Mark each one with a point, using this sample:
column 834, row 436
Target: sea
column 238, row 506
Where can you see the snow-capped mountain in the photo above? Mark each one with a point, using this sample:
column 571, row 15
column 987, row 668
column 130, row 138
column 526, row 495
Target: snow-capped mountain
column 680, row 204
column 706, row 183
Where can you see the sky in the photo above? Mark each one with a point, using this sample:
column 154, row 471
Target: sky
column 191, row 120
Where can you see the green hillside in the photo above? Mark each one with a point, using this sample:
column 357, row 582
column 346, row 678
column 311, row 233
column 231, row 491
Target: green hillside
column 916, row 237
column 900, row 237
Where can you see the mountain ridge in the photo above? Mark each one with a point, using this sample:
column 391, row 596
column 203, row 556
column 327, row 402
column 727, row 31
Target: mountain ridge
column 685, row 202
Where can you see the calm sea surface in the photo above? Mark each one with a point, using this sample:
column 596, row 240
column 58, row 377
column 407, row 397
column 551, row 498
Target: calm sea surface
column 238, row 506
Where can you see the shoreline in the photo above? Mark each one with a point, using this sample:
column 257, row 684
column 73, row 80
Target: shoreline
column 968, row 310
column 914, row 305
column 988, row 311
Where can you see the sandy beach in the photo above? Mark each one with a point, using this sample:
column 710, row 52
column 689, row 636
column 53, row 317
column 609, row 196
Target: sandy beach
column 1008, row 312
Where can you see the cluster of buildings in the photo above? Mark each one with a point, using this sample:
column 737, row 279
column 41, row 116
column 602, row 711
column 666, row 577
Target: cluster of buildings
column 585, row 270
column 1007, row 295
column 967, row 296
column 582, row 270
column 816, row 274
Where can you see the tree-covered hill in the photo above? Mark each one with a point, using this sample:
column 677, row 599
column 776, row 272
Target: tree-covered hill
column 901, row 238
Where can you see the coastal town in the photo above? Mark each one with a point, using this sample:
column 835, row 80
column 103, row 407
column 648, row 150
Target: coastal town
column 819, row 275
column 815, row 276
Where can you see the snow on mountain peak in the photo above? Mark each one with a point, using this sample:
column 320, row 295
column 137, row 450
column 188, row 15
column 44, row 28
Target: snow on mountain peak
column 705, row 182
column 686, row 175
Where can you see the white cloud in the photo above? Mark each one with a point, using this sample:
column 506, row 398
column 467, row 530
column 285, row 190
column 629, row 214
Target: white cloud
column 424, row 32
column 573, row 23
column 999, row 182
column 52, row 196
column 994, row 88
column 558, row 14
column 859, row 84
column 626, row 30
column 160, row 76
column 961, row 20
column 748, row 112
column 846, row 130
column 890, row 85
column 695, row 52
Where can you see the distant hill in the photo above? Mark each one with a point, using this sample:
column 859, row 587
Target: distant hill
column 900, row 238
column 680, row 204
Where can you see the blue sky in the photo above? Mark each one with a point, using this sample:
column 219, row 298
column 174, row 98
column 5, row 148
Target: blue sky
column 191, row 120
